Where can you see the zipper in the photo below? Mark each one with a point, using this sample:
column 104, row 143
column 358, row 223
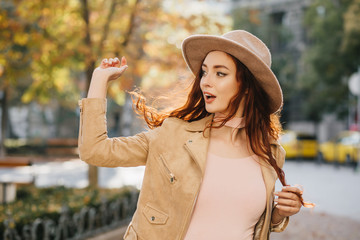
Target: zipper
column 171, row 175
column 81, row 121
column 194, row 201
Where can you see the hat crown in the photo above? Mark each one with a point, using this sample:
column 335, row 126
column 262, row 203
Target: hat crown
column 252, row 43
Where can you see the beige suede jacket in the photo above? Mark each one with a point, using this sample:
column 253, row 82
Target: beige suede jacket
column 175, row 159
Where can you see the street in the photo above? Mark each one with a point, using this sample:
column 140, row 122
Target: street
column 335, row 192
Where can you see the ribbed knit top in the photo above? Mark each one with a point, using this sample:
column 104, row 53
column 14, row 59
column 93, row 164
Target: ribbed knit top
column 232, row 197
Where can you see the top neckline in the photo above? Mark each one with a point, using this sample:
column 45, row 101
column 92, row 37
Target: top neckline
column 235, row 122
column 214, row 155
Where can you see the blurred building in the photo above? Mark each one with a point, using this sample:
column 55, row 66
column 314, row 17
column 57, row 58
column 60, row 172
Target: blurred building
column 287, row 15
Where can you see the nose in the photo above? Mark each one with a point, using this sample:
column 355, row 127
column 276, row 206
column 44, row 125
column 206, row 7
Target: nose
column 206, row 81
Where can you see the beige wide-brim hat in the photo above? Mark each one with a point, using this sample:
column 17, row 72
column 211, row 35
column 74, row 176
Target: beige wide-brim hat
column 250, row 50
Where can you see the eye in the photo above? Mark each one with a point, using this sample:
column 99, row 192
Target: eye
column 221, row 74
column 203, row 73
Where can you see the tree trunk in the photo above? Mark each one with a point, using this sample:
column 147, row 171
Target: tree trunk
column 90, row 64
column 4, row 118
column 93, row 175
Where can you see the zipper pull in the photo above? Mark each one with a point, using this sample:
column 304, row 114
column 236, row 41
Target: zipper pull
column 172, row 178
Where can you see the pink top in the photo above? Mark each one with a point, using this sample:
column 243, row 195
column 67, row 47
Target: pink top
column 231, row 199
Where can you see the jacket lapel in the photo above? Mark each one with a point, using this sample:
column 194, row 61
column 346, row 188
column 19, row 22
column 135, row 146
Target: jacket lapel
column 269, row 176
column 268, row 172
column 198, row 142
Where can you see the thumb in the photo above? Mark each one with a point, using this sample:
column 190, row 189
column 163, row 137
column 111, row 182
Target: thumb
column 116, row 72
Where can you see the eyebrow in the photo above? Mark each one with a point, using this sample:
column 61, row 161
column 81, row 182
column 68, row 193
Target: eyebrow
column 216, row 66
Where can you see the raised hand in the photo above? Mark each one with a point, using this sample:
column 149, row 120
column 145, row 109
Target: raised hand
column 109, row 69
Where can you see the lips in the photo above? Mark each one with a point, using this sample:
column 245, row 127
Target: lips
column 209, row 97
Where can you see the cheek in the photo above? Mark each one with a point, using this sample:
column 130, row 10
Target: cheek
column 230, row 89
column 201, row 84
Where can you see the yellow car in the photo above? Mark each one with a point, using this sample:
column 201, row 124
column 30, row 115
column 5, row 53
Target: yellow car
column 343, row 149
column 299, row 145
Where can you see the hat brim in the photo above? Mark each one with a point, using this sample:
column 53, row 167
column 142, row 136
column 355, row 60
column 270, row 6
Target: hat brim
column 195, row 48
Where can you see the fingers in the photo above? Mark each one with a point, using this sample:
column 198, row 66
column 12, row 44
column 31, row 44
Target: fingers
column 104, row 63
column 289, row 195
column 287, row 211
column 111, row 68
column 295, row 189
column 289, row 200
column 123, row 61
column 112, row 62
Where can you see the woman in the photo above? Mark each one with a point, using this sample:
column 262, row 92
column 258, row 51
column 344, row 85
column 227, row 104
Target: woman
column 211, row 165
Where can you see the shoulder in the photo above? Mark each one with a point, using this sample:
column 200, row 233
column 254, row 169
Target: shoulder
column 174, row 123
column 173, row 126
column 198, row 125
column 170, row 127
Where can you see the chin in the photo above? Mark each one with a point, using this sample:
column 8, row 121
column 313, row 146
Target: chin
column 209, row 110
column 213, row 110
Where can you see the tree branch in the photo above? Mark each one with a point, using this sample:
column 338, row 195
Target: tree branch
column 106, row 27
column 85, row 15
column 131, row 25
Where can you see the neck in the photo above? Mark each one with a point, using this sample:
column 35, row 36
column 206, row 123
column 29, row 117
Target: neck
column 234, row 122
column 233, row 130
column 231, row 137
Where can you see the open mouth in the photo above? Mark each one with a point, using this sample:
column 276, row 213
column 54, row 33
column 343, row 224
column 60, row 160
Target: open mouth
column 209, row 96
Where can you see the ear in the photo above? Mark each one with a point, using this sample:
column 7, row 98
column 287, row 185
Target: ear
column 247, row 91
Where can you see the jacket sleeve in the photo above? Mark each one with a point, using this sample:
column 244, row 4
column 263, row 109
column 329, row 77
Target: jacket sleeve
column 279, row 227
column 96, row 148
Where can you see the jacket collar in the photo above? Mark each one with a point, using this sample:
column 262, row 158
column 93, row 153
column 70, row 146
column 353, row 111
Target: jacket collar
column 199, row 125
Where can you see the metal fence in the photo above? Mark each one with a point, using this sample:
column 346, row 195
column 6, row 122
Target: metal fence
column 88, row 222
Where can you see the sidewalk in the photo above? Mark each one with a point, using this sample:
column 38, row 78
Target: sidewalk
column 319, row 226
column 116, row 234
column 303, row 226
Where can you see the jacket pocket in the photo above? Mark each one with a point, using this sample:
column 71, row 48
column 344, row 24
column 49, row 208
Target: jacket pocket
column 130, row 233
column 155, row 216
column 169, row 174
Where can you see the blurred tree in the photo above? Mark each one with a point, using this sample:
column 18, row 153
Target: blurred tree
column 332, row 55
column 64, row 39
column 351, row 39
column 15, row 61
column 270, row 29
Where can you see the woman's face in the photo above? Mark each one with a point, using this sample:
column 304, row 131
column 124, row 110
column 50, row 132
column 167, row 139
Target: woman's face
column 218, row 82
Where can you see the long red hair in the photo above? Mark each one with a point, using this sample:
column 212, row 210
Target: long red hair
column 260, row 123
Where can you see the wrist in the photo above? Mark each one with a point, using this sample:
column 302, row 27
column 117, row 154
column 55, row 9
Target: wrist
column 276, row 217
column 98, row 77
column 98, row 86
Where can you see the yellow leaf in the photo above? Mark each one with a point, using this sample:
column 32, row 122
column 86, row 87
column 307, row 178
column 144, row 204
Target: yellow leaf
column 21, row 38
